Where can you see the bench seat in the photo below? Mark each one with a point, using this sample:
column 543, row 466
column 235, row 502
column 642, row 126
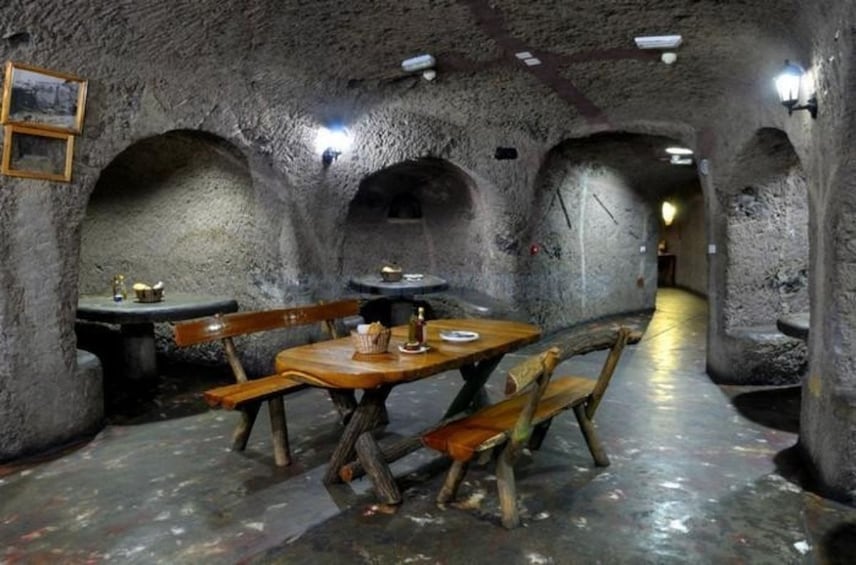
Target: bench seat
column 238, row 395
column 491, row 426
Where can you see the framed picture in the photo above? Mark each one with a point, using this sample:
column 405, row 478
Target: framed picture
column 43, row 99
column 37, row 154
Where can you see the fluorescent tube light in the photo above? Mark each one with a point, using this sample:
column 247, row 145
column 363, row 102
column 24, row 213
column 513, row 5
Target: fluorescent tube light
column 658, row 41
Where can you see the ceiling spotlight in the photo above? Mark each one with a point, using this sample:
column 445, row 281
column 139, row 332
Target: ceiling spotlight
column 658, row 41
column 668, row 57
column 788, row 85
column 679, row 151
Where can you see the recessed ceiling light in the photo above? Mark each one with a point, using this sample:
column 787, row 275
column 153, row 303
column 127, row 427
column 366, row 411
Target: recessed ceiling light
column 679, row 151
column 658, row 41
column 678, row 160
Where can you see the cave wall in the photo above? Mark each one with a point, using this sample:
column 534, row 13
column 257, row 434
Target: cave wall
column 686, row 238
column 590, row 227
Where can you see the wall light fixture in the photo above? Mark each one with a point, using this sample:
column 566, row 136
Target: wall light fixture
column 332, row 142
column 788, row 85
column 668, row 213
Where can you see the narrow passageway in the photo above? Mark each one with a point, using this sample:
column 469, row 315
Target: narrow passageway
column 693, row 479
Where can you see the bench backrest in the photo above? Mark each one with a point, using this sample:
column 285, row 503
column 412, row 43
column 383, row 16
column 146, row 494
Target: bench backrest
column 522, row 376
column 224, row 327
column 532, row 376
column 221, row 326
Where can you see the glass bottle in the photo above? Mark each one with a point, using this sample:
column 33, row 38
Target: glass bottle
column 411, row 332
column 120, row 293
column 420, row 326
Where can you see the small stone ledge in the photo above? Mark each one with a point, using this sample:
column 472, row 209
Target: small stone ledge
column 469, row 303
column 759, row 355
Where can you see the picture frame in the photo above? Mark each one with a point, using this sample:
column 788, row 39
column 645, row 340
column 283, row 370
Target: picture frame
column 43, row 99
column 37, row 154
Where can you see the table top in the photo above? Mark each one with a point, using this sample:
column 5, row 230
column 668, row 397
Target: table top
column 174, row 306
column 374, row 284
column 332, row 364
column 794, row 325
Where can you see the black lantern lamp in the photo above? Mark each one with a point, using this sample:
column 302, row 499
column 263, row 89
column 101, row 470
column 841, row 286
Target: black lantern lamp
column 788, row 85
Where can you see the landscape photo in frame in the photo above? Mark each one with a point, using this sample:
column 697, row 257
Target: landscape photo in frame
column 43, row 99
column 37, row 154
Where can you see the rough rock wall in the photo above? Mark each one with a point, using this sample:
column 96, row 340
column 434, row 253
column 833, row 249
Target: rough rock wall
column 828, row 419
column 768, row 259
column 687, row 239
column 589, row 227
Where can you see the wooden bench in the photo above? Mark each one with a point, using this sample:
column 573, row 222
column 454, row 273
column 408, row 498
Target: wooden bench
column 246, row 394
column 533, row 399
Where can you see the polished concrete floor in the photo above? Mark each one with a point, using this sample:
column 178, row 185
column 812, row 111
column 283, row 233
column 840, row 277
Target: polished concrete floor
column 700, row 474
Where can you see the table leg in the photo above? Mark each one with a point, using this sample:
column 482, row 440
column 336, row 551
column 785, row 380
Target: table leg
column 138, row 355
column 472, row 394
column 364, row 418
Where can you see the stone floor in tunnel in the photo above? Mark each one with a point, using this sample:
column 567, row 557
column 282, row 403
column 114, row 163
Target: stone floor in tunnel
column 700, row 473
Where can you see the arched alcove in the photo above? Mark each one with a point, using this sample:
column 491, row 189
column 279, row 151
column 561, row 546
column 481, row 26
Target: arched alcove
column 595, row 226
column 419, row 214
column 766, row 261
column 767, row 234
column 176, row 208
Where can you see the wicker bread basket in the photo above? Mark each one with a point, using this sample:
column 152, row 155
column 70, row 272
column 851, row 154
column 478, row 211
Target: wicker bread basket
column 371, row 343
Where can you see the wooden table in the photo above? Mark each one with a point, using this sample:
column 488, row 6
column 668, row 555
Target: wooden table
column 332, row 365
column 137, row 320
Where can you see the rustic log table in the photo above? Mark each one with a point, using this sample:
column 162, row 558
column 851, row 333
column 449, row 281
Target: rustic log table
column 334, row 365
column 137, row 321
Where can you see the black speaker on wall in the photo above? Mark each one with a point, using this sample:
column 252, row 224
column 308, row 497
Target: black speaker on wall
column 503, row 153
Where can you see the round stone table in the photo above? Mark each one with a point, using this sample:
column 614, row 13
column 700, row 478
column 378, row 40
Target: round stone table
column 794, row 325
column 402, row 292
column 137, row 321
column 374, row 284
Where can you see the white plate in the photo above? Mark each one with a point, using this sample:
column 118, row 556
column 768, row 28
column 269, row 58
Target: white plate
column 458, row 335
column 422, row 349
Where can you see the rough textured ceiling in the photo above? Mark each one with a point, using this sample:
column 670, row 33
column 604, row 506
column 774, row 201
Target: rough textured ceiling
column 590, row 61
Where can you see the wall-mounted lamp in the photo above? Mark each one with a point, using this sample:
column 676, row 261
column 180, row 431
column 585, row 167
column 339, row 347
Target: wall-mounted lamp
column 668, row 213
column 331, row 143
column 788, row 85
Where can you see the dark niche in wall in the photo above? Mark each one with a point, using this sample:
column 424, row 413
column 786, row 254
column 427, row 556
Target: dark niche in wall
column 418, row 213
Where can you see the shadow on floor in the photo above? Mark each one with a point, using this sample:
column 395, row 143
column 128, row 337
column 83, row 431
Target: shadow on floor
column 838, row 546
column 777, row 408
column 176, row 393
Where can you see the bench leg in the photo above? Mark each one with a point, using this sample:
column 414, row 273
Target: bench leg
column 538, row 434
column 507, row 489
column 453, row 480
column 371, row 458
column 596, row 449
column 242, row 432
column 279, row 429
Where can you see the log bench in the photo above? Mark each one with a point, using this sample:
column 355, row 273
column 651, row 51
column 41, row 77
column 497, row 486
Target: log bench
column 247, row 394
column 523, row 418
